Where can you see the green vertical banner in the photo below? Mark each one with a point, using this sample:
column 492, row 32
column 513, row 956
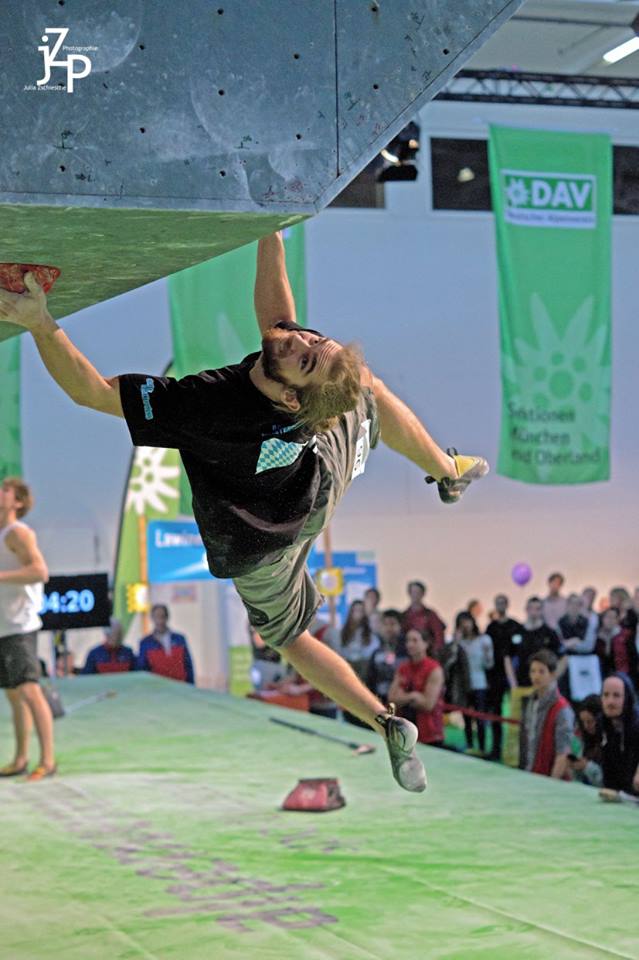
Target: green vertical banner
column 152, row 492
column 10, row 432
column 552, row 198
column 212, row 316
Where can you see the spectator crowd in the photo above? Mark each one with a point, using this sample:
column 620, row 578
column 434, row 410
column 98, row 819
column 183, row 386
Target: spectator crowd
column 567, row 677
column 163, row 651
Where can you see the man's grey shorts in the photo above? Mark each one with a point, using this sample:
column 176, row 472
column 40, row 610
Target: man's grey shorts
column 280, row 597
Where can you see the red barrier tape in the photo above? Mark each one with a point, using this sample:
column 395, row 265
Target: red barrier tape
column 478, row 715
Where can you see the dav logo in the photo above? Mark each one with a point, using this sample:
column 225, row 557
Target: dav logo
column 565, row 200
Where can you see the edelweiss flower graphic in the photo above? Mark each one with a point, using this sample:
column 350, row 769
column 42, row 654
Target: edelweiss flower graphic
column 517, row 193
column 148, row 483
column 565, row 371
column 9, row 407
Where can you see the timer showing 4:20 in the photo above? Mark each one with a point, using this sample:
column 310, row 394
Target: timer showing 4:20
column 71, row 601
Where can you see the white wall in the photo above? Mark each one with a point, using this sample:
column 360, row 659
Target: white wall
column 418, row 290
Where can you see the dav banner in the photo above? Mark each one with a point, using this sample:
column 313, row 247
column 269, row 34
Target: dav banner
column 552, row 198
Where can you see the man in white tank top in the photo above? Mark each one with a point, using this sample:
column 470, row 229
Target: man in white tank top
column 22, row 574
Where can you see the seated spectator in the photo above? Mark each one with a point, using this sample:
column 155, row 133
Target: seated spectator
column 267, row 666
column 615, row 646
column 417, row 690
column 554, row 605
column 65, row 663
column 583, row 676
column 587, row 767
column 372, row 598
column 318, row 702
column 164, row 652
column 535, row 635
column 620, row 735
column 501, row 630
column 548, row 721
column 110, row 656
column 385, row 660
column 479, row 651
column 422, row 618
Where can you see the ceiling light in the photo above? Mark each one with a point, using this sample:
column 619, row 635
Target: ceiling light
column 623, row 50
column 399, row 156
column 465, row 175
column 390, row 157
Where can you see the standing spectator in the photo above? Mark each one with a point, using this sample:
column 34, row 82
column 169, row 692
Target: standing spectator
column 357, row 645
column 164, row 652
column 417, row 690
column 588, row 595
column 620, row 598
column 587, row 767
column 23, row 571
column 372, row 597
column 417, row 616
column 479, row 650
column 620, row 735
column 615, row 645
column 384, row 661
column 111, row 656
column 475, row 608
column 501, row 631
column 535, row 635
column 547, row 727
column 456, row 672
column 554, row 605
column 357, row 640
column 583, row 676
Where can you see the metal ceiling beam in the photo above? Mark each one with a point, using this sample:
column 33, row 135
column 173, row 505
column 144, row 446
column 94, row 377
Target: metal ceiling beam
column 542, row 89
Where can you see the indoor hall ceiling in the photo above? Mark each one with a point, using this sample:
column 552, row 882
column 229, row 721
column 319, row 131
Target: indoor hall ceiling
column 563, row 36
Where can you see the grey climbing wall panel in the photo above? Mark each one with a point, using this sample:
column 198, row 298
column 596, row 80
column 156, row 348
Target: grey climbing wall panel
column 202, row 125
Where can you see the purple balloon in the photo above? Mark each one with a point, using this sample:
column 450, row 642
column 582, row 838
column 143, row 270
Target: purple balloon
column 521, row 574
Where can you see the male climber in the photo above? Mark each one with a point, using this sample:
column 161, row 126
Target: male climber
column 269, row 445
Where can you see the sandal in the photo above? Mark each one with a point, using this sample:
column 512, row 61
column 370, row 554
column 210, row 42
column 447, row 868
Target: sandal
column 12, row 771
column 40, row 772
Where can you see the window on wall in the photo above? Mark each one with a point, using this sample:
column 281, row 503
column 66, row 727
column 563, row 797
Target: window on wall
column 460, row 181
column 364, row 191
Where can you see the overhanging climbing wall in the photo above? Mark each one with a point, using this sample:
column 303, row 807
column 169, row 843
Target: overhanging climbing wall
column 200, row 126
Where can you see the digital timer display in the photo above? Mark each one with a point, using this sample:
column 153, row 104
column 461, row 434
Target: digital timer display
column 74, row 601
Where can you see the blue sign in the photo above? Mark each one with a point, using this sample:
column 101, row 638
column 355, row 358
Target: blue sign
column 175, row 552
column 359, row 571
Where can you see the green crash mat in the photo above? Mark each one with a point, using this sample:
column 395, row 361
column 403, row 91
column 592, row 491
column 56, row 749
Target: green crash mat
column 162, row 838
